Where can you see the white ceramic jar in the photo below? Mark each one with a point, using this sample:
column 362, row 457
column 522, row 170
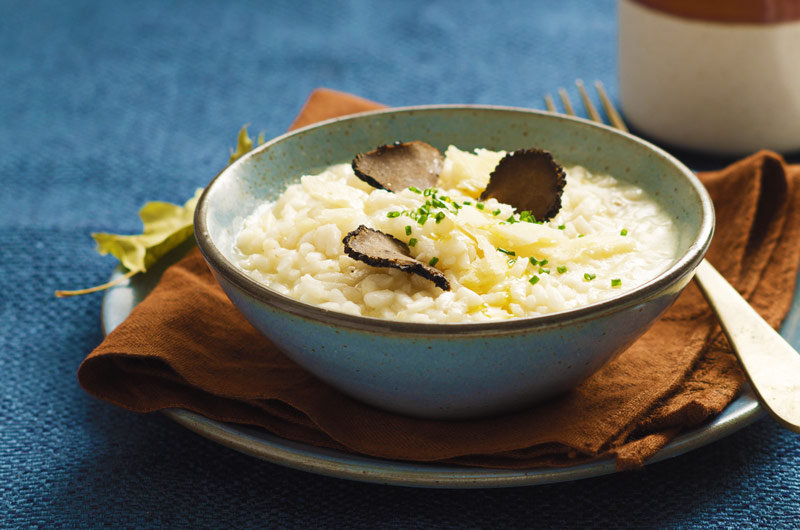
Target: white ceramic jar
column 719, row 76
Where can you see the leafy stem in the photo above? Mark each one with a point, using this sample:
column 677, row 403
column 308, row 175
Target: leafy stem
column 165, row 226
column 112, row 283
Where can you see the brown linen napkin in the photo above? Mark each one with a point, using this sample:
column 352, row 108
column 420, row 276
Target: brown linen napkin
column 186, row 346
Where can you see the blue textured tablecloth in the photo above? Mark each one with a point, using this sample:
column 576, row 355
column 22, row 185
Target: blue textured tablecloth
column 105, row 105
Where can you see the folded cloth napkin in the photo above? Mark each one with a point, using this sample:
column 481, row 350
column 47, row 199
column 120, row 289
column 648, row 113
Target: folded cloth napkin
column 187, row 346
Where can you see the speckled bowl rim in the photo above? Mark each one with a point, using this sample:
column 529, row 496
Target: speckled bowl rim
column 684, row 265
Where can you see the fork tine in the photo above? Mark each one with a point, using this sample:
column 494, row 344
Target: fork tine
column 611, row 111
column 548, row 100
column 590, row 108
column 567, row 103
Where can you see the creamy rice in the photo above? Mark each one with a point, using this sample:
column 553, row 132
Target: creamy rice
column 608, row 237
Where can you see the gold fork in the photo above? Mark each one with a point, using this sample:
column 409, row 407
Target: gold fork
column 771, row 364
column 611, row 111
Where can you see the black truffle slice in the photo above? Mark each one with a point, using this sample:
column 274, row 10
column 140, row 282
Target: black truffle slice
column 529, row 180
column 399, row 166
column 375, row 248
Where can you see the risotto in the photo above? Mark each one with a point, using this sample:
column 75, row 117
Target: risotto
column 608, row 237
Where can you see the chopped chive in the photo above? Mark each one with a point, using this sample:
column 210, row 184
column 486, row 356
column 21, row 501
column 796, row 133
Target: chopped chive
column 511, row 261
column 415, row 189
column 496, row 212
column 412, row 242
column 434, row 260
column 511, row 220
column 542, row 270
column 561, row 269
column 589, row 276
column 534, row 280
column 580, row 235
column 480, row 206
column 392, row 215
column 623, row 232
column 533, row 261
column 439, row 204
column 542, row 262
column 467, row 202
column 507, row 252
column 439, row 217
column 616, row 282
column 422, row 219
column 456, row 206
column 562, row 227
column 408, row 230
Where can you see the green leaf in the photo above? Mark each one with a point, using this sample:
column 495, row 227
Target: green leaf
column 165, row 226
column 244, row 144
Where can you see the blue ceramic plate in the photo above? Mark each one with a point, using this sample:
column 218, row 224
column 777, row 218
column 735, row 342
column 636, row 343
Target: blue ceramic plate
column 120, row 300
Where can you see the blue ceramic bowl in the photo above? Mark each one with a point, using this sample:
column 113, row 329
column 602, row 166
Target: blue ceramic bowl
column 452, row 370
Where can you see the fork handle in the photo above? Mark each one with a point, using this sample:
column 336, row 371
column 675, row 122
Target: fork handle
column 771, row 364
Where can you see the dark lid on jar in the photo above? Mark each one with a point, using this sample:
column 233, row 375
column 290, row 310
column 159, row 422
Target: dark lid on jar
column 729, row 11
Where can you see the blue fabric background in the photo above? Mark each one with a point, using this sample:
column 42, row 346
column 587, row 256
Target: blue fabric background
column 107, row 104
